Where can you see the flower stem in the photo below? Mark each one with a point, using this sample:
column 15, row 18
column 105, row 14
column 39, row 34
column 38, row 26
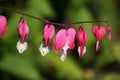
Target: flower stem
column 19, row 12
column 46, row 21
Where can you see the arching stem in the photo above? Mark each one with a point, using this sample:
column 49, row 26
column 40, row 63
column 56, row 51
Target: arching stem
column 46, row 21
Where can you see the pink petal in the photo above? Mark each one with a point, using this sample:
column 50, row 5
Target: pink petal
column 82, row 36
column 71, row 37
column 3, row 32
column 3, row 27
column 94, row 30
column 60, row 40
column 99, row 32
column 109, row 36
column 109, row 33
column 23, row 29
column 109, row 28
column 48, row 33
column 3, row 21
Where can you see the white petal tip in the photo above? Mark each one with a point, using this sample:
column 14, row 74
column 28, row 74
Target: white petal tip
column 84, row 51
column 43, row 50
column 63, row 56
column 21, row 47
column 97, row 46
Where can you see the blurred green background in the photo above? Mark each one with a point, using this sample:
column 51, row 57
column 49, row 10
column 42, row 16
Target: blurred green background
column 101, row 65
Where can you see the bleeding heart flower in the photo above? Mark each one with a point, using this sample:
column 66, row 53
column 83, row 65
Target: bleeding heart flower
column 3, row 27
column 82, row 38
column 109, row 33
column 23, row 31
column 99, row 33
column 64, row 40
column 47, row 35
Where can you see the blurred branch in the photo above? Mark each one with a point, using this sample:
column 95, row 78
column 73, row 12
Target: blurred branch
column 48, row 22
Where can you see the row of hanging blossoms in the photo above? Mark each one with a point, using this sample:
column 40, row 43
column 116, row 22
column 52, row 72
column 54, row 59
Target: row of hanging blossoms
column 65, row 38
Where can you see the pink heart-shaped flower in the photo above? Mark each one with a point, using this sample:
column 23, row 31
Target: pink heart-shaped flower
column 48, row 33
column 60, row 40
column 3, row 26
column 109, row 33
column 23, row 29
column 98, row 32
column 71, row 37
column 82, row 38
column 65, row 38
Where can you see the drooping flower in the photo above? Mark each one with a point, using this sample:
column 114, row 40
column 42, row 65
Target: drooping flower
column 82, row 38
column 23, row 31
column 3, row 25
column 109, row 33
column 47, row 36
column 64, row 40
column 99, row 33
